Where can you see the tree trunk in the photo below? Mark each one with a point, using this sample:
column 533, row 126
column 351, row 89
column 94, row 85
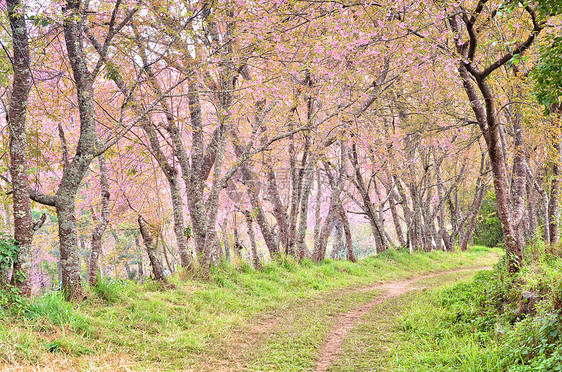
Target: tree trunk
column 68, row 241
column 139, row 262
column 179, row 224
column 318, row 204
column 74, row 170
column 279, row 210
column 253, row 189
column 473, row 214
column 151, row 250
column 347, row 229
column 367, row 206
column 250, row 223
column 322, row 242
column 97, row 234
column 553, row 208
column 396, row 218
column 302, row 250
column 165, row 253
column 510, row 214
column 338, row 244
column 488, row 123
column 17, row 111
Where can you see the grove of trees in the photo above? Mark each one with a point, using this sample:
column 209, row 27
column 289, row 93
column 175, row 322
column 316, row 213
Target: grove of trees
column 185, row 133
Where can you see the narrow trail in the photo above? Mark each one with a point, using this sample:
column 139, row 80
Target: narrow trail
column 345, row 322
column 267, row 325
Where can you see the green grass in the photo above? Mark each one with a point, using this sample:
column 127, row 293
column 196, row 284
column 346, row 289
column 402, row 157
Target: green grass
column 299, row 336
column 471, row 326
column 379, row 339
column 201, row 324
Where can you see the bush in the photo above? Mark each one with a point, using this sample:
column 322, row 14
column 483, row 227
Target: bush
column 488, row 312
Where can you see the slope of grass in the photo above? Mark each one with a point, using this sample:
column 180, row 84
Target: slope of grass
column 193, row 323
column 484, row 325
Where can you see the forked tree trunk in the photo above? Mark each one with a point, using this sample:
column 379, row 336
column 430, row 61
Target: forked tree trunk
column 350, row 254
column 75, row 169
column 510, row 213
column 322, row 242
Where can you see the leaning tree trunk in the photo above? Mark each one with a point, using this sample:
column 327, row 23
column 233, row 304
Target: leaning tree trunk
column 279, row 210
column 322, row 242
column 368, row 205
column 396, row 218
column 169, row 170
column 318, row 205
column 513, row 245
column 473, row 213
column 253, row 190
column 151, row 250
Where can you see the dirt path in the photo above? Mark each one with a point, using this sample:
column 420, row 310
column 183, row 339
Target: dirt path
column 346, row 321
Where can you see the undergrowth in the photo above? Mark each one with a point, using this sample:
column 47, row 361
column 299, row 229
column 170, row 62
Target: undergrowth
column 497, row 322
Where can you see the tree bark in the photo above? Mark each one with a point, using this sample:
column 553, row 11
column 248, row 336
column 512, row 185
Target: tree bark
column 74, row 170
column 251, row 235
column 322, row 242
column 553, row 207
column 302, row 250
column 338, row 245
column 510, row 214
column 396, row 218
column 151, row 250
column 97, row 234
column 479, row 192
column 17, row 111
column 342, row 215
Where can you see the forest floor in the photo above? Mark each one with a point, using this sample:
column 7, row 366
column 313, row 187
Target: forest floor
column 333, row 316
column 359, row 338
